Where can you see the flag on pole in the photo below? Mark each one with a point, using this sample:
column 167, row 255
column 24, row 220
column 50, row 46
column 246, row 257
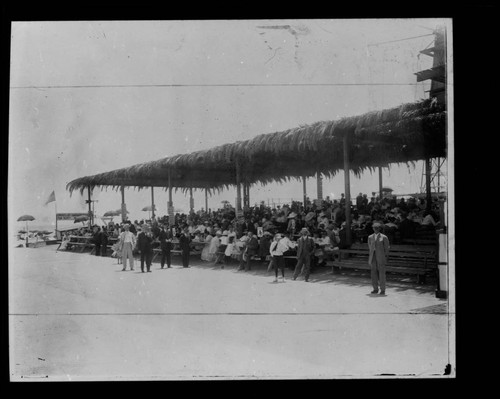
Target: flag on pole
column 52, row 198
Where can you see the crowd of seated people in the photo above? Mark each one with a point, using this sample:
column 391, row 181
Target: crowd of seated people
column 216, row 232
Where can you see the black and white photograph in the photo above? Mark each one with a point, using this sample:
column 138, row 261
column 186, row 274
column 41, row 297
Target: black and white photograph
column 231, row 199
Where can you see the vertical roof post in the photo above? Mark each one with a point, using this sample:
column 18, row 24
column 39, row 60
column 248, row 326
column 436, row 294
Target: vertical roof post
column 347, row 189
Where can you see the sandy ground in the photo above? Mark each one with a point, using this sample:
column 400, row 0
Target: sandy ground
column 79, row 317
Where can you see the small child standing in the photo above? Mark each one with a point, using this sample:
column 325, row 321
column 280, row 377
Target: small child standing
column 277, row 248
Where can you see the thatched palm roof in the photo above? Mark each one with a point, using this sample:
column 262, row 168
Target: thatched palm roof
column 401, row 134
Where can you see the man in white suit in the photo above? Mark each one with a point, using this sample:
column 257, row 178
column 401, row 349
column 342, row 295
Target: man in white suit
column 127, row 239
column 378, row 245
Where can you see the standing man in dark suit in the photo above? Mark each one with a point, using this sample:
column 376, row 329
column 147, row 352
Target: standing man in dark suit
column 252, row 245
column 184, row 241
column 378, row 246
column 104, row 241
column 132, row 228
column 166, row 245
column 144, row 244
column 96, row 240
column 305, row 249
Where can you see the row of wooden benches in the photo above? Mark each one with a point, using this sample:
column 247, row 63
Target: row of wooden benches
column 156, row 251
column 420, row 261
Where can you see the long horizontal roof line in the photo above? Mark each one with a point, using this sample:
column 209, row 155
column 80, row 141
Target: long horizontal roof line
column 402, row 134
column 215, row 85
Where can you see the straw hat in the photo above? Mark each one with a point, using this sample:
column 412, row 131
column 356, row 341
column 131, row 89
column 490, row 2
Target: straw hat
column 292, row 215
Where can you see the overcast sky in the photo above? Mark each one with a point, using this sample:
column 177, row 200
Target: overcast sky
column 90, row 97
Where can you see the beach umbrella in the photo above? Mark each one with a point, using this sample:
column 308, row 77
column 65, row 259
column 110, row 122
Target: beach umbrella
column 26, row 218
column 118, row 212
column 148, row 209
column 113, row 213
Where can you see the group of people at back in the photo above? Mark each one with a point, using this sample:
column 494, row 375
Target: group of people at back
column 130, row 241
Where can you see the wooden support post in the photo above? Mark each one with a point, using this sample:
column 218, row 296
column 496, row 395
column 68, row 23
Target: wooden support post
column 191, row 200
column 248, row 195
column 428, row 190
column 438, row 175
column 380, row 182
column 238, row 189
column 244, row 186
column 347, row 190
column 124, row 207
column 91, row 216
column 171, row 215
column 442, row 217
column 206, row 200
column 170, row 203
column 319, row 185
column 152, row 202
column 304, row 190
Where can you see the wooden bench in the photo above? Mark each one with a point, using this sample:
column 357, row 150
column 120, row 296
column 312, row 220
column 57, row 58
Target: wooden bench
column 420, row 241
column 72, row 245
column 82, row 245
column 423, row 236
column 157, row 251
column 220, row 258
column 109, row 248
column 403, row 259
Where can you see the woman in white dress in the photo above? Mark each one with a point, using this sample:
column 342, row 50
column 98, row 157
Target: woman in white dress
column 205, row 253
column 214, row 244
column 228, row 252
column 64, row 242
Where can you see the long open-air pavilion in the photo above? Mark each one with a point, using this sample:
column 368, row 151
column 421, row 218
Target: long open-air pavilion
column 403, row 134
column 284, row 127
